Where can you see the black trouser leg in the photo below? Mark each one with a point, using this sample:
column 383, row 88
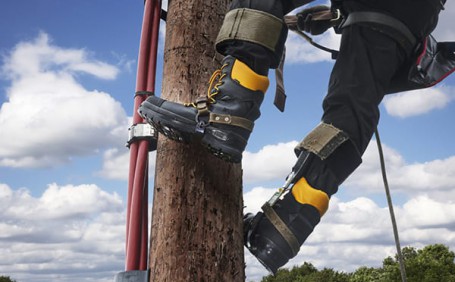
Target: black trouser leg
column 367, row 61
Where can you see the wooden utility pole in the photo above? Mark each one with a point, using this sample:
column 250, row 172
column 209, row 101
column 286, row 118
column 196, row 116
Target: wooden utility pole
column 196, row 232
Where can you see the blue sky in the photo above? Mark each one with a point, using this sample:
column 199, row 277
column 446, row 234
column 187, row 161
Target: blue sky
column 67, row 79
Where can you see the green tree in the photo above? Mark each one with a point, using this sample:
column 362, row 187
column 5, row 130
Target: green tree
column 297, row 272
column 367, row 274
column 326, row 275
column 6, row 279
column 434, row 263
column 438, row 257
column 307, row 273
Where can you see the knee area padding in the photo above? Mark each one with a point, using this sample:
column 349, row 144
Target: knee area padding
column 334, row 149
column 258, row 22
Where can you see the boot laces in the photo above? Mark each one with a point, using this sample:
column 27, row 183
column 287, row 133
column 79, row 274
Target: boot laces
column 216, row 80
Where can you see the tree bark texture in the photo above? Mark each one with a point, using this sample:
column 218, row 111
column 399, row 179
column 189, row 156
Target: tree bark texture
column 196, row 232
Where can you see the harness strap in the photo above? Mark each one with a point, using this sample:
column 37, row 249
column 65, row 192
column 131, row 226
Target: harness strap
column 398, row 30
column 280, row 94
column 282, row 228
column 232, row 120
column 323, row 140
column 201, row 105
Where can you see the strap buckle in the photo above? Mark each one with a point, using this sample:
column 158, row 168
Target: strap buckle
column 202, row 110
column 201, row 104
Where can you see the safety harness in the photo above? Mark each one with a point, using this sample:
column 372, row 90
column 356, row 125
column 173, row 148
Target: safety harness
column 384, row 23
column 429, row 61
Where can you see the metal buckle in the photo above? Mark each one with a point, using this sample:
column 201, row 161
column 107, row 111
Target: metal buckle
column 201, row 103
column 337, row 15
column 202, row 110
column 200, row 125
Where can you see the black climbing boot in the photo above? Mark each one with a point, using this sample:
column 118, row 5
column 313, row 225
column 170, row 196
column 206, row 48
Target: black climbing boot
column 222, row 120
column 275, row 235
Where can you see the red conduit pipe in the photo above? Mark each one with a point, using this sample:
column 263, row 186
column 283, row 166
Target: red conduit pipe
column 136, row 224
column 144, row 236
column 137, row 204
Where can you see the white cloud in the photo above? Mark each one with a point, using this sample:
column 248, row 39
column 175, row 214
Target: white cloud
column 116, row 164
column 439, row 213
column 124, row 62
column 274, row 163
column 298, row 50
column 39, row 56
column 62, row 235
column 444, row 31
column 49, row 117
column 256, row 197
column 436, row 176
column 418, row 102
column 57, row 202
column 271, row 162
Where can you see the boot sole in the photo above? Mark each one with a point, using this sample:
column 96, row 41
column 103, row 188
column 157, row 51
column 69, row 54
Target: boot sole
column 183, row 130
column 176, row 130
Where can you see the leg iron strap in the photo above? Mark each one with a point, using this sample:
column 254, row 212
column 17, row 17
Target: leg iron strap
column 253, row 26
column 278, row 223
column 323, row 140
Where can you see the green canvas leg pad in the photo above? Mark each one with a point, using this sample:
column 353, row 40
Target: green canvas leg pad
column 252, row 26
column 323, row 140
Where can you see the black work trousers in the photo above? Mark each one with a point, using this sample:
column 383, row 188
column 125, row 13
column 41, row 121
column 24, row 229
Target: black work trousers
column 367, row 61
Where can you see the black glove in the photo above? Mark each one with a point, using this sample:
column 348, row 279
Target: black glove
column 316, row 20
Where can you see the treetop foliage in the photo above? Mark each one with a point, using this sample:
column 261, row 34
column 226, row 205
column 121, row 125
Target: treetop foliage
column 433, row 263
column 6, row 279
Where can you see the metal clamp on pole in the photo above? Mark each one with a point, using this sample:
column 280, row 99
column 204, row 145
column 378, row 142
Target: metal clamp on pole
column 133, row 276
column 142, row 131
